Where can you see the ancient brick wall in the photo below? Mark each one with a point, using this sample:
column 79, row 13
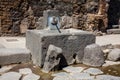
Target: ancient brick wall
column 13, row 12
column 5, row 6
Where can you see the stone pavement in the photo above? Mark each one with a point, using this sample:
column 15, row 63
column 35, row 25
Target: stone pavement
column 21, row 75
column 70, row 74
column 85, row 74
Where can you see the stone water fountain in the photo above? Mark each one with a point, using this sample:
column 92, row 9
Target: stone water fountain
column 66, row 45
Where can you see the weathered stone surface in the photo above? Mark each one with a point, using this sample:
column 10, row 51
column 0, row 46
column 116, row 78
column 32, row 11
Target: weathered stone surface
column 113, row 31
column 93, row 55
column 71, row 41
column 48, row 19
column 72, row 69
column 107, row 77
column 114, row 55
column 39, row 23
column 24, row 25
column 6, row 68
column 93, row 71
column 11, row 76
column 31, row 77
column 14, row 55
column 108, row 63
column 63, row 78
column 82, row 76
column 1, row 46
column 25, row 71
column 60, row 74
column 66, row 22
column 51, row 59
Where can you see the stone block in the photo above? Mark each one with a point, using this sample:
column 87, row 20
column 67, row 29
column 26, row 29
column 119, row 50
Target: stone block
column 11, row 76
column 113, row 31
column 10, row 55
column 71, row 41
column 52, row 58
column 93, row 55
column 114, row 55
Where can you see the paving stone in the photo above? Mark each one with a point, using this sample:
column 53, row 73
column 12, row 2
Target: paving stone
column 31, row 77
column 93, row 71
column 61, row 74
column 11, row 76
column 72, row 69
column 108, row 63
column 107, row 77
column 82, row 76
column 114, row 55
column 113, row 31
column 6, row 68
column 93, row 55
column 63, row 78
column 14, row 55
column 25, row 71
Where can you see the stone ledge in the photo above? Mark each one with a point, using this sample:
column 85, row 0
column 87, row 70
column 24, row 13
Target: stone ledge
column 113, row 31
column 16, row 55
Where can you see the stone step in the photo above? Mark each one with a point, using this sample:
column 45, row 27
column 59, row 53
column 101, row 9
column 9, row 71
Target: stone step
column 14, row 55
column 113, row 31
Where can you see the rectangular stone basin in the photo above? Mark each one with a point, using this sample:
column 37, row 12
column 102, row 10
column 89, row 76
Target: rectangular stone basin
column 72, row 41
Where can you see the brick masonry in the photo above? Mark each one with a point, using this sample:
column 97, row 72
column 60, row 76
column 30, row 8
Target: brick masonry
column 16, row 10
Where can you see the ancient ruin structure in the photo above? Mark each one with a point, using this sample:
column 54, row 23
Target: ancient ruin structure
column 93, row 15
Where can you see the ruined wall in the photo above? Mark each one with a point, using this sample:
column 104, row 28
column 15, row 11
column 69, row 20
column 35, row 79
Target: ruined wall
column 12, row 12
column 88, row 13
